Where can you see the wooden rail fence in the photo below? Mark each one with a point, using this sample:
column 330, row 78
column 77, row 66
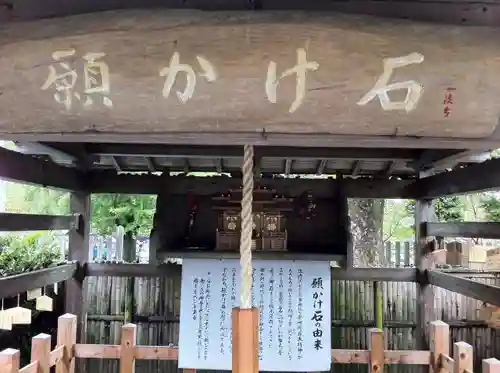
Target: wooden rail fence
column 63, row 356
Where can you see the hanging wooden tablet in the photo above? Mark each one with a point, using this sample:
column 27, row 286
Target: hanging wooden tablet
column 33, row 294
column 44, row 303
column 20, row 315
column 5, row 319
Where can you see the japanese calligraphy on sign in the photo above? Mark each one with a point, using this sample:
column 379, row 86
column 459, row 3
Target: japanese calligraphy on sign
column 63, row 80
column 381, row 88
column 292, row 298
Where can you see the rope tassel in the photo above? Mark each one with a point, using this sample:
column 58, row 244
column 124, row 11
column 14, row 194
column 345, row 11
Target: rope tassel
column 246, row 229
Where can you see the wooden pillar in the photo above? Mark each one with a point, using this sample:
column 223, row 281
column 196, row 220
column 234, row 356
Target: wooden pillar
column 424, row 212
column 439, row 342
column 66, row 336
column 245, row 340
column 79, row 251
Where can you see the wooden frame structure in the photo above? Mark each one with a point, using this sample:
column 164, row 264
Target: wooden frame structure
column 81, row 182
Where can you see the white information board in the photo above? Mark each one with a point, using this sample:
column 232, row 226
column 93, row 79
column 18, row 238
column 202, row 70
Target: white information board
column 294, row 304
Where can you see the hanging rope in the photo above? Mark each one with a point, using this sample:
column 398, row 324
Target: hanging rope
column 246, row 229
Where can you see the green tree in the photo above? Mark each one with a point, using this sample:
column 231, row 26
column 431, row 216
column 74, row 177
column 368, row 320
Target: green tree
column 447, row 208
column 490, row 203
column 398, row 222
column 133, row 212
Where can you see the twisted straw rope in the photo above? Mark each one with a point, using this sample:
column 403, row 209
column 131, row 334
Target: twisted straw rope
column 246, row 229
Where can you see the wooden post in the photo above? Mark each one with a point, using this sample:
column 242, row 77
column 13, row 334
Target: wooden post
column 245, row 340
column 10, row 361
column 489, row 365
column 462, row 356
column 439, row 342
column 424, row 212
column 78, row 250
column 127, row 353
column 66, row 336
column 376, row 347
column 40, row 351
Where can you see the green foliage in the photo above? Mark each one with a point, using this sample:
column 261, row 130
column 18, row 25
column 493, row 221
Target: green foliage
column 133, row 212
column 491, row 206
column 31, row 199
column 447, row 208
column 398, row 222
column 450, row 209
column 24, row 253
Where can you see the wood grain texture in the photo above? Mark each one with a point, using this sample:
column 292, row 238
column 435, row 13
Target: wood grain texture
column 348, row 49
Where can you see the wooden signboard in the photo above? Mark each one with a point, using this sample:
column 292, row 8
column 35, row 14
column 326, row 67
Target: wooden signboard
column 167, row 71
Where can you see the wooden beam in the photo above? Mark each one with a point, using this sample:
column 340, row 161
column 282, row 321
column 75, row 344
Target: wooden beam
column 151, row 164
column 12, row 285
column 424, row 212
column 271, row 139
column 466, row 229
column 470, row 288
column 79, row 251
column 110, row 182
column 356, row 167
column 320, row 168
column 27, row 222
column 150, row 270
column 116, row 163
column 218, row 165
column 288, row 166
column 131, row 270
column 467, row 179
column 24, row 168
column 292, row 152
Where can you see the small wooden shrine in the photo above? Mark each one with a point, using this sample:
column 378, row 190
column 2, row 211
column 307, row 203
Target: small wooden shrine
column 269, row 220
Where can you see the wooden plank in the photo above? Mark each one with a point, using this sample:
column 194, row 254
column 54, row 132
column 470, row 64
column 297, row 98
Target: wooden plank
column 270, row 139
column 439, row 343
column 459, row 181
column 459, row 12
column 260, row 255
column 151, row 270
column 110, row 182
column 156, row 353
column 92, row 351
column 24, row 168
column 465, row 229
column 56, row 356
column 447, row 363
column 469, row 288
column 242, row 55
column 200, row 151
column 30, row 368
column 10, row 360
column 66, row 338
column 40, row 352
column 27, row 222
column 127, row 348
column 13, row 285
column 131, row 270
column 340, row 356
